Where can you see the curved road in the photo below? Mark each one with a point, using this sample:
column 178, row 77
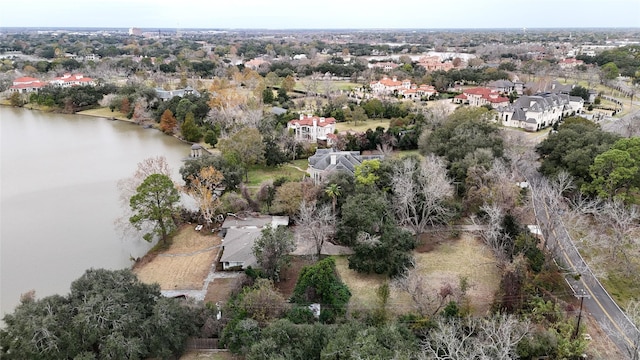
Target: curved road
column 597, row 301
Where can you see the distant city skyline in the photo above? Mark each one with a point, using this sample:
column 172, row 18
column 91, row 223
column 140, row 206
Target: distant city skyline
column 327, row 14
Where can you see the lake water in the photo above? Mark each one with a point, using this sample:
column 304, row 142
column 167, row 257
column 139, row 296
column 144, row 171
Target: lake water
column 58, row 197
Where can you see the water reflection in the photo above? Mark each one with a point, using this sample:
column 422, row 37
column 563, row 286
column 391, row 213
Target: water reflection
column 59, row 196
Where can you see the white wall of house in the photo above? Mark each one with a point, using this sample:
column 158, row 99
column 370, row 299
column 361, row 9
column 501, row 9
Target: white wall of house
column 231, row 264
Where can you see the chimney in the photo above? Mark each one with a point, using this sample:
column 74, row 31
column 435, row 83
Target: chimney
column 321, row 120
column 334, row 159
column 301, row 116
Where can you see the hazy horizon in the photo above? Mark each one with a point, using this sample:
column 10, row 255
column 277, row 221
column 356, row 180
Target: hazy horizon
column 325, row 15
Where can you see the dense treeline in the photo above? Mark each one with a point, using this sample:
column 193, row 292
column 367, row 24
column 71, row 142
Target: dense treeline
column 107, row 315
column 72, row 99
column 626, row 58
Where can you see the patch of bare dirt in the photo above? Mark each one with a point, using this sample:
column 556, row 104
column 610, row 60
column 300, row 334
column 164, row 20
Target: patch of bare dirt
column 429, row 241
column 184, row 265
column 289, row 277
column 220, row 289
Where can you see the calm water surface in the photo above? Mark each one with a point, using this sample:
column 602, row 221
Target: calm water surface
column 58, row 197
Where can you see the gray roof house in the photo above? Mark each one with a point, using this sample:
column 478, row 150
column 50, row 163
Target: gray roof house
column 238, row 248
column 165, row 95
column 503, row 86
column 325, row 161
column 533, row 113
column 240, row 233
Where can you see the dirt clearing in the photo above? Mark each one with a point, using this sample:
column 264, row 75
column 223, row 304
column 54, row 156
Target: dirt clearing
column 185, row 264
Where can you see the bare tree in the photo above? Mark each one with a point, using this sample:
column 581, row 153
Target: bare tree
column 437, row 114
column 491, row 338
column 633, row 313
column 449, row 342
column 493, row 235
column 420, row 193
column 499, row 335
column 315, row 223
column 620, row 230
column 204, row 189
column 426, row 299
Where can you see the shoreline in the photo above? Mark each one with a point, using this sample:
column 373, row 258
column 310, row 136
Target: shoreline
column 119, row 117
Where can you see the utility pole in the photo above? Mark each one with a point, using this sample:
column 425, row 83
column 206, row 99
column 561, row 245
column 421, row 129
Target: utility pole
column 581, row 297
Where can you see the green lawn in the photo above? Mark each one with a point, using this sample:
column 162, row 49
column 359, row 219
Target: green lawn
column 337, row 85
column 260, row 173
column 363, row 125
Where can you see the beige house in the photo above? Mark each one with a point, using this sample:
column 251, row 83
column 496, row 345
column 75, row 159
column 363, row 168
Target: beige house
column 26, row 84
column 312, row 128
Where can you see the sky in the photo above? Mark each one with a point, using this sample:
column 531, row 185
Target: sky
column 322, row 14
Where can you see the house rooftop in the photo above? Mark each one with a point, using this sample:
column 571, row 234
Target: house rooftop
column 238, row 246
column 236, row 222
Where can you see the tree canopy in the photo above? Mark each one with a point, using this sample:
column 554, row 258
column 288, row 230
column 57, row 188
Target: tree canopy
column 465, row 131
column 272, row 250
column 616, row 172
column 244, row 147
column 573, row 148
column 109, row 314
column 155, row 202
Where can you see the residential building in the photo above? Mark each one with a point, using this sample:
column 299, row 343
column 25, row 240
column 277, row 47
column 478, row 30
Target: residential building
column 533, row 113
column 255, row 63
column 434, row 63
column 312, row 128
column 165, row 95
column 26, row 84
column 92, row 57
column 570, row 63
column 386, row 86
column 418, row 92
column 502, row 86
column 385, row 66
column 326, row 161
column 68, row 80
column 240, row 233
column 481, row 96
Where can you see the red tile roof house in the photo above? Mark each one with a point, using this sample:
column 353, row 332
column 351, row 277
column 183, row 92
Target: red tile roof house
column 570, row 63
column 68, row 80
column 416, row 93
column 312, row 128
column 433, row 63
column 26, row 84
column 388, row 86
column 481, row 96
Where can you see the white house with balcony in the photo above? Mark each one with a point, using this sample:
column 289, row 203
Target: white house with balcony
column 312, row 128
column 68, row 80
column 26, row 84
column 533, row 113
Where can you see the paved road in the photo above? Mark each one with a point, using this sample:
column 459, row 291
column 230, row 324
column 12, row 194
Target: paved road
column 597, row 301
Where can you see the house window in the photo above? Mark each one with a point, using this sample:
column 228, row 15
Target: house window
column 506, row 118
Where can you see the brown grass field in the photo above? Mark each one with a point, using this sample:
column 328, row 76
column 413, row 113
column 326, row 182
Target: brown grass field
column 447, row 262
column 208, row 355
column 220, row 289
column 184, row 265
column 105, row 113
